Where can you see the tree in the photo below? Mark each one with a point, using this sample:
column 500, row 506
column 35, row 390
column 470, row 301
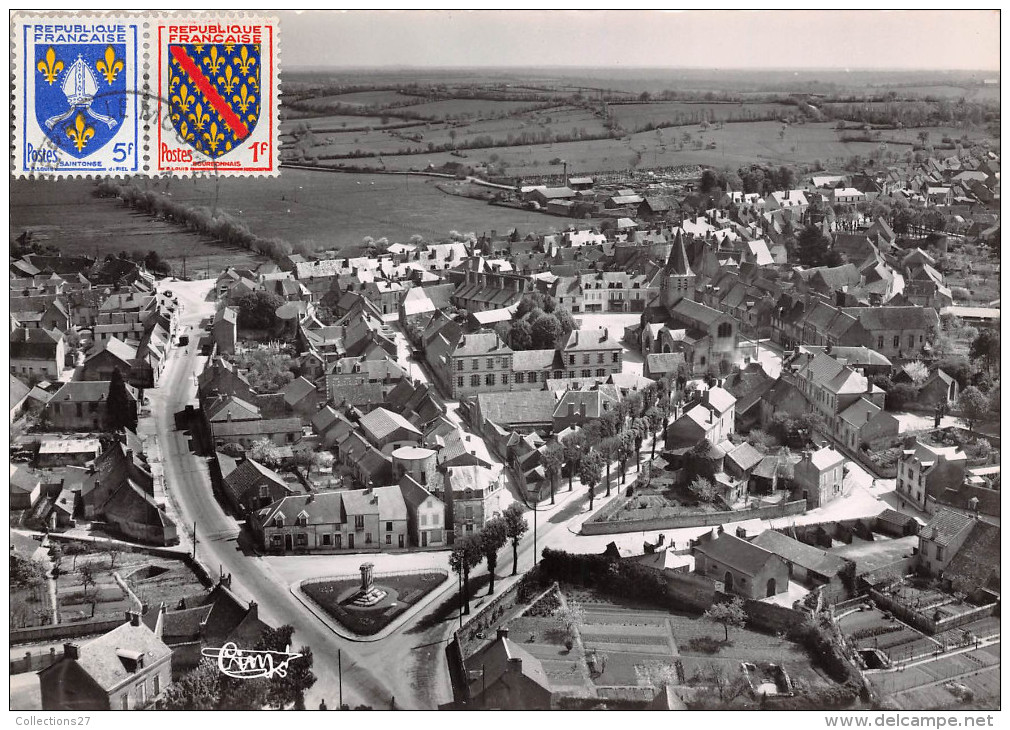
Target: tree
column 655, row 418
column 493, row 536
column 256, row 310
column 120, row 408
column 985, row 348
column 553, row 458
column 917, row 370
column 87, row 575
column 198, row 689
column 709, row 181
column 727, row 614
column 465, row 556
column 607, row 449
column 290, row 688
column 520, row 335
column 625, row 450
column 812, row 246
column 570, row 615
column 973, row 406
column 515, row 527
column 265, row 452
column 589, row 473
column 545, row 332
column 114, row 552
column 573, row 445
column 703, row 489
column 899, row 394
column 155, row 264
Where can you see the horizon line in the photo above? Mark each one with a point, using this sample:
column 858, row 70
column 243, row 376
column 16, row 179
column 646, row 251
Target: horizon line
column 842, row 69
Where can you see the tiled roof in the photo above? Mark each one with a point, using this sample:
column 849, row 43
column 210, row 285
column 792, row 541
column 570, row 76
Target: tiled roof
column 115, row 347
column 895, row 318
column 489, row 664
column 517, row 408
column 296, row 390
column 87, row 391
column 481, row 343
column 107, row 659
column 387, row 502
column 34, row 343
column 527, row 360
column 945, row 525
column 249, row 474
column 977, row 563
column 730, row 550
column 801, row 554
column 745, row 456
column 18, row 391
column 695, row 313
column 263, row 427
column 860, row 412
column 381, row 423
column 826, row 458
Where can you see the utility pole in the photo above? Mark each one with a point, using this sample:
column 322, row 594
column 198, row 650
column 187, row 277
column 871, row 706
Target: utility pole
column 459, row 584
column 194, row 540
column 340, row 679
column 535, row 534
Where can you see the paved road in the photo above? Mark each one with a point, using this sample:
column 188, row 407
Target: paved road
column 189, row 486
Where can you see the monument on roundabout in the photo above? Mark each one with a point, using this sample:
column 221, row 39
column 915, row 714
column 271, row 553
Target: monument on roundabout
column 369, row 595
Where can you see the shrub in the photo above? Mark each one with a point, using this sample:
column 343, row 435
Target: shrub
column 704, row 645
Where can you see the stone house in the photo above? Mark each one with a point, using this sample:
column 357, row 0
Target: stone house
column 743, row 568
column 819, row 476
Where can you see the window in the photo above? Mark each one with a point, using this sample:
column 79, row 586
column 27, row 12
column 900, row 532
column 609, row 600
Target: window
column 326, row 539
column 368, row 538
column 571, row 359
column 587, row 373
column 489, row 379
column 126, row 701
column 80, row 410
column 142, row 693
column 599, row 358
column 301, row 521
column 911, row 340
column 601, row 372
column 504, row 379
column 459, row 364
column 615, row 357
column 490, row 363
column 389, row 539
column 468, row 511
column 265, row 491
column 725, row 330
column 424, row 519
column 157, row 684
column 880, row 342
column 459, row 381
column 585, row 359
column 474, row 381
column 359, row 523
column 389, row 527
column 476, row 364
column 520, row 378
column 939, row 552
column 302, row 539
column 571, row 373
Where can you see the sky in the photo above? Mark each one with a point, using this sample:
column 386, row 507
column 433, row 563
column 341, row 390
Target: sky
column 954, row 40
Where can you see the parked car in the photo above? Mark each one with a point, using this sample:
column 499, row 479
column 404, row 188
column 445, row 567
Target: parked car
column 183, row 340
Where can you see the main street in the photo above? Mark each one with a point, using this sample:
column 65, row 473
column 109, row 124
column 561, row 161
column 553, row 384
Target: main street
column 189, row 486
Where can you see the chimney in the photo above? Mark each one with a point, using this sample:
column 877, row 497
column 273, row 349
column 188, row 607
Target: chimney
column 515, row 664
column 72, row 650
column 503, row 632
column 662, row 538
column 571, row 409
column 935, row 534
column 254, row 609
column 603, row 337
column 576, row 337
column 129, row 453
column 869, row 415
column 133, row 617
column 869, row 385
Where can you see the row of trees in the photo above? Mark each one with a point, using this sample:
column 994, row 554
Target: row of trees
column 470, row 550
column 616, row 435
column 198, row 219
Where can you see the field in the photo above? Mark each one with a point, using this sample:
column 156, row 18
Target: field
column 65, row 214
column 337, row 123
column 736, row 144
column 937, row 684
column 332, row 210
column 366, row 98
column 632, row 116
column 403, row 591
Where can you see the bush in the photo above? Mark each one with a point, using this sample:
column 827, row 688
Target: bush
column 626, row 580
column 704, row 645
column 823, row 651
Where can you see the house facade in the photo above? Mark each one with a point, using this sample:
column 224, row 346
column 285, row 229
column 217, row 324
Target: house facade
column 744, row 569
column 924, row 468
column 819, row 474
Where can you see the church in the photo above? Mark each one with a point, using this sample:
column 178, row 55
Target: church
column 675, row 322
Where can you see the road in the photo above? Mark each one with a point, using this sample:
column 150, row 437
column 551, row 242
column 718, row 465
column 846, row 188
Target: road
column 408, row 664
column 189, row 486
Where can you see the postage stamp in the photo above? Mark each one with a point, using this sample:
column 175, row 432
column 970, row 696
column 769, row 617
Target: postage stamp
column 77, row 95
column 217, row 96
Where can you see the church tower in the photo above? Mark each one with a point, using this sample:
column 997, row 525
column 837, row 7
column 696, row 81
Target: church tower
column 678, row 278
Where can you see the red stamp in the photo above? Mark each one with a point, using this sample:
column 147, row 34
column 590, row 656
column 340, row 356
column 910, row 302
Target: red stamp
column 217, row 96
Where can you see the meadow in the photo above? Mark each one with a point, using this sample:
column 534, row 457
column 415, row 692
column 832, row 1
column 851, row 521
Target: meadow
column 65, row 214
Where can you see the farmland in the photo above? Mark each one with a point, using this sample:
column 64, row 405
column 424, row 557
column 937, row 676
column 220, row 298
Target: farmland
column 323, row 209
column 65, row 214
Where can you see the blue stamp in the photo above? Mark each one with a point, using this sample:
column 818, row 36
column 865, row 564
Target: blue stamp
column 78, row 104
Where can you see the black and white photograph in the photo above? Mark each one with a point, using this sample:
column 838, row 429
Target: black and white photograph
column 524, row 360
